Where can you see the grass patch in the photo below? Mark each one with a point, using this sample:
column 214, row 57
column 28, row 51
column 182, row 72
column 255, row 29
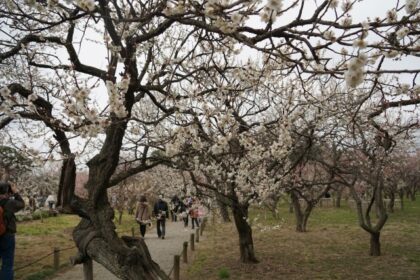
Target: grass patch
column 37, row 238
column 41, row 275
column 223, row 273
column 334, row 247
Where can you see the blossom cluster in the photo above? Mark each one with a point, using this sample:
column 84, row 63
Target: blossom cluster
column 271, row 10
column 411, row 6
column 7, row 102
column 179, row 8
column 87, row 5
column 116, row 94
column 355, row 71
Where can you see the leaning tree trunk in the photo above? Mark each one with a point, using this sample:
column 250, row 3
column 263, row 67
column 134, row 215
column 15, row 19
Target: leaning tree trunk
column 246, row 243
column 127, row 258
column 95, row 236
column 375, row 244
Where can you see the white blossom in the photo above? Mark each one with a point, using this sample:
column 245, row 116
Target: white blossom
column 329, row 35
column 87, row 5
column 355, row 71
column 360, row 43
column 411, row 6
column 333, row 4
column 346, row 21
column 392, row 15
column 402, row 32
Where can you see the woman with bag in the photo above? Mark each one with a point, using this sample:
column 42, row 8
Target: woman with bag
column 143, row 215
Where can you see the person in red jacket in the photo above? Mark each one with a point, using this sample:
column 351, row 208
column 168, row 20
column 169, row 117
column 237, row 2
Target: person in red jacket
column 11, row 202
column 194, row 215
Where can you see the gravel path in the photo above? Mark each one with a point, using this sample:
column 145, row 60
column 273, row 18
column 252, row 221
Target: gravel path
column 162, row 252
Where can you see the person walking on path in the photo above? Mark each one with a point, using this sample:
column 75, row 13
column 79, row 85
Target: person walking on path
column 143, row 215
column 174, row 208
column 183, row 210
column 194, row 215
column 160, row 211
column 10, row 202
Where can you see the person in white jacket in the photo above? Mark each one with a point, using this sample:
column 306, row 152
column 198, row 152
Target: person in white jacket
column 51, row 201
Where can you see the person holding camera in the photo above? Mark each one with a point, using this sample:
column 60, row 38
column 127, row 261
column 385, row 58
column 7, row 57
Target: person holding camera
column 160, row 211
column 10, row 202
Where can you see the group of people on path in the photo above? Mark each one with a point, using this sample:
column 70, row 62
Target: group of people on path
column 183, row 208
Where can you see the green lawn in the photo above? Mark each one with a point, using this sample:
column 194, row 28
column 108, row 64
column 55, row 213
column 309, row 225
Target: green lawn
column 334, row 247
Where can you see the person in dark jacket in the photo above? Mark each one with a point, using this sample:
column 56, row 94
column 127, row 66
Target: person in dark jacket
column 183, row 210
column 174, row 208
column 160, row 211
column 11, row 202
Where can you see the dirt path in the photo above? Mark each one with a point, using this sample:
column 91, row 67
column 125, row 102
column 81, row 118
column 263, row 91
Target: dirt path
column 162, row 252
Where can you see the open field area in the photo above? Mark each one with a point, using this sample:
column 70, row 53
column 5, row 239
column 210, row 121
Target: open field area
column 36, row 239
column 334, row 247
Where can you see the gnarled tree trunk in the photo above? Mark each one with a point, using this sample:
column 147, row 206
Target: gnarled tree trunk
column 127, row 258
column 95, row 235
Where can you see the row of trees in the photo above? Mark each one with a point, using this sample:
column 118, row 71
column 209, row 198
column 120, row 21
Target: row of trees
column 250, row 98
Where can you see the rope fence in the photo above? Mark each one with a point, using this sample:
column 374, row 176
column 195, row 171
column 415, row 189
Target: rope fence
column 55, row 252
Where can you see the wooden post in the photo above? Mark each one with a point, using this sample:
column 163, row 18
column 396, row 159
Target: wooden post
column 132, row 231
column 202, row 227
column 56, row 258
column 197, row 235
column 176, row 267
column 185, row 252
column 192, row 241
column 88, row 269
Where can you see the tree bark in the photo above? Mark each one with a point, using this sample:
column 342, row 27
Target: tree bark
column 338, row 199
column 246, row 244
column 120, row 214
column 401, row 195
column 67, row 185
column 224, row 212
column 391, row 202
column 127, row 258
column 223, row 209
column 413, row 195
column 298, row 212
column 95, row 236
column 375, row 244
